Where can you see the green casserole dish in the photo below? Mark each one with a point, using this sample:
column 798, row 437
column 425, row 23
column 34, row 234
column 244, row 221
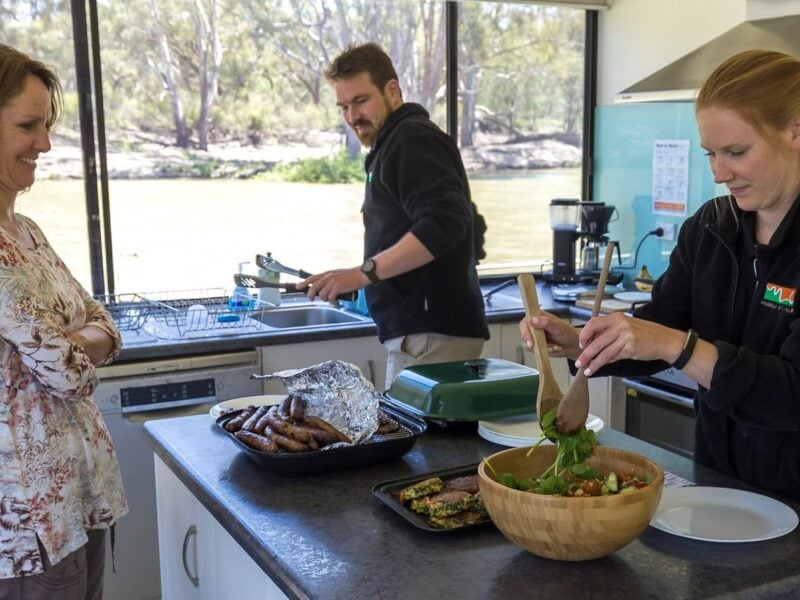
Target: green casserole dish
column 473, row 390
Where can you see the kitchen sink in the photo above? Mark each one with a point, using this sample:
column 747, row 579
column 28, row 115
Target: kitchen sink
column 304, row 316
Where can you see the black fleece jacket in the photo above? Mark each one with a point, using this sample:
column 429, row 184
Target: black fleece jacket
column 416, row 182
column 742, row 297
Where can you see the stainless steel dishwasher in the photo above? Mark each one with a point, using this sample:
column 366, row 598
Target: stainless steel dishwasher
column 129, row 394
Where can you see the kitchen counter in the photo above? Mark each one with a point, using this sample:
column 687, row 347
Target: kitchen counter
column 325, row 536
column 504, row 306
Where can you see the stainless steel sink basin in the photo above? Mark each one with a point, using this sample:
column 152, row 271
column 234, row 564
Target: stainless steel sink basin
column 304, row 316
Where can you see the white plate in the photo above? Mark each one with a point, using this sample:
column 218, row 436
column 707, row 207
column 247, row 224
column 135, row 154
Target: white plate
column 633, row 296
column 715, row 514
column 522, row 430
column 237, row 403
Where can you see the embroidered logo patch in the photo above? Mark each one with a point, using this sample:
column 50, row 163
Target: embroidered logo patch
column 778, row 294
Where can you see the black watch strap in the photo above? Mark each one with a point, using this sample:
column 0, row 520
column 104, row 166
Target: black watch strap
column 688, row 350
column 368, row 268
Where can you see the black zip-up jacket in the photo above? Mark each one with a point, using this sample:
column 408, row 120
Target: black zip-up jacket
column 416, row 182
column 742, row 297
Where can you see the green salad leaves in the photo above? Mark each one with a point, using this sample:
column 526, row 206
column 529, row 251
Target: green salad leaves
column 568, row 467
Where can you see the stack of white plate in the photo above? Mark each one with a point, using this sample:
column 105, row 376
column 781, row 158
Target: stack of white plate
column 240, row 403
column 522, row 430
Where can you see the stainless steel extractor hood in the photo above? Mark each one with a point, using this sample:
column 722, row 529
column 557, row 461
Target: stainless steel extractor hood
column 681, row 79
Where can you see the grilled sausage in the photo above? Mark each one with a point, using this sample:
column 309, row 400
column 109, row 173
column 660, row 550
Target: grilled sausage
column 257, row 442
column 298, row 408
column 250, row 423
column 323, row 438
column 262, row 424
column 288, row 443
column 276, row 420
column 325, row 426
column 285, row 406
column 285, row 427
column 236, row 423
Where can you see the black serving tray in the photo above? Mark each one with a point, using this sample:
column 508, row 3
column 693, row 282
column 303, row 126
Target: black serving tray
column 376, row 450
column 388, row 492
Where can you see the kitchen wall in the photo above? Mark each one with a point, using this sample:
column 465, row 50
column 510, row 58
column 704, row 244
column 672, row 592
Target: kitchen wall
column 635, row 39
column 623, row 172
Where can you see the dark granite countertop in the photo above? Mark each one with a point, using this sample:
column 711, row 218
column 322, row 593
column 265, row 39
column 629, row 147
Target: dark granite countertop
column 504, row 306
column 326, row 536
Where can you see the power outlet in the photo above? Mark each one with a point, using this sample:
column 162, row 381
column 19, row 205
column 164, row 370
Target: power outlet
column 669, row 231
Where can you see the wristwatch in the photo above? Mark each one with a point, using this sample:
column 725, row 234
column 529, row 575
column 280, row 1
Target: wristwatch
column 368, row 268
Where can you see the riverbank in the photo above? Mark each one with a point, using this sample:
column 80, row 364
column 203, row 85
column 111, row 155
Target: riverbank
column 137, row 157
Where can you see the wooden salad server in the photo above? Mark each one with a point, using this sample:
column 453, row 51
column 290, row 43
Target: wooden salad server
column 574, row 408
column 549, row 394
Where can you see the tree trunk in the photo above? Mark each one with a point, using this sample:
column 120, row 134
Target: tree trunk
column 169, row 79
column 468, row 103
column 209, row 58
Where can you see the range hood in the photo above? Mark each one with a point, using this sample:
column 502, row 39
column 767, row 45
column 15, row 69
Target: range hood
column 681, row 79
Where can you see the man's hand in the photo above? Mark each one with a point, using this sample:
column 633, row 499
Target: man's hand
column 331, row 284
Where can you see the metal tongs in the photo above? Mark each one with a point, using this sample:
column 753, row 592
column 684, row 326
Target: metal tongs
column 254, row 281
column 270, row 264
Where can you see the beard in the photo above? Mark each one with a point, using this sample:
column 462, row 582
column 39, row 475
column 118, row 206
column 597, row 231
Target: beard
column 371, row 128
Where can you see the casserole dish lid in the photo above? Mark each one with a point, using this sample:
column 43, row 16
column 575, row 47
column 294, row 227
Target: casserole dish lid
column 470, row 390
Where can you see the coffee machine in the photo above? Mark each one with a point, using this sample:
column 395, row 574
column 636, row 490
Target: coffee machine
column 581, row 225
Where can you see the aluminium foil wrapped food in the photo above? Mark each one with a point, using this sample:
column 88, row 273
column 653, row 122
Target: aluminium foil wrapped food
column 336, row 392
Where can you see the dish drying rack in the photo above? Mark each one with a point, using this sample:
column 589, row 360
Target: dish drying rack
column 183, row 313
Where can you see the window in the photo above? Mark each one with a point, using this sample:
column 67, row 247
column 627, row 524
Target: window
column 204, row 98
column 520, row 121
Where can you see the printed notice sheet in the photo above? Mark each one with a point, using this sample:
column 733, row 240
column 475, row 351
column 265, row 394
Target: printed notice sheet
column 670, row 177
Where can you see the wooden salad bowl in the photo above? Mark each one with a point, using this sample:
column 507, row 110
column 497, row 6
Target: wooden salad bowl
column 570, row 528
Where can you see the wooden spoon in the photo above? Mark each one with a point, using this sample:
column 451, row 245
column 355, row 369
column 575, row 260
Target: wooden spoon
column 574, row 408
column 549, row 394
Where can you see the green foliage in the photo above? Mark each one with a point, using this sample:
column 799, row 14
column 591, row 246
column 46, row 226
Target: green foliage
column 260, row 64
column 569, row 465
column 336, row 169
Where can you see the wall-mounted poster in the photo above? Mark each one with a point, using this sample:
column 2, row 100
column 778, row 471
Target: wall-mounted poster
column 670, row 177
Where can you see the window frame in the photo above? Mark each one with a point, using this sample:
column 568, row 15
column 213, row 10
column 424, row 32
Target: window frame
column 92, row 122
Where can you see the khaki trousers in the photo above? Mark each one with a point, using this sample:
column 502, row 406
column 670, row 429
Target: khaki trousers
column 78, row 577
column 427, row 348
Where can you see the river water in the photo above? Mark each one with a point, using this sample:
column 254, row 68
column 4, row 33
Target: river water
column 182, row 234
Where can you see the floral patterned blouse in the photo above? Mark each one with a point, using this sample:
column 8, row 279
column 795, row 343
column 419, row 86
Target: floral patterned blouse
column 58, row 470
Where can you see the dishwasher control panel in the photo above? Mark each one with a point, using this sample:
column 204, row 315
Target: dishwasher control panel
column 168, row 395
column 155, row 386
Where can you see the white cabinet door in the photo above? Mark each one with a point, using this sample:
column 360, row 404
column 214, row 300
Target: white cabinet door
column 178, row 531
column 199, row 559
column 362, row 352
column 232, row 573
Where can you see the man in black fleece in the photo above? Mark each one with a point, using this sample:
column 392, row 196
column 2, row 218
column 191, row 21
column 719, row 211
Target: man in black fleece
column 420, row 256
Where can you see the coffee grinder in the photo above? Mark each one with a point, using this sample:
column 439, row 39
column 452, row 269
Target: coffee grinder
column 565, row 217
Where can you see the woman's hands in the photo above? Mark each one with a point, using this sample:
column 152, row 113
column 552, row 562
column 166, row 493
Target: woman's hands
column 96, row 343
column 562, row 338
column 605, row 339
column 614, row 337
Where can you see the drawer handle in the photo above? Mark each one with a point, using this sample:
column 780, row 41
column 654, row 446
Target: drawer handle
column 371, row 368
column 191, row 532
